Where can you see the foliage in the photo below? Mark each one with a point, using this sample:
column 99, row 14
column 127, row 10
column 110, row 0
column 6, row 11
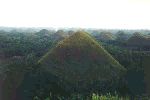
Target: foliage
column 21, row 44
column 94, row 96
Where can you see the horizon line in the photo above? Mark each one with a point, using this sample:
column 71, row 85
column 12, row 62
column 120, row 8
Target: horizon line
column 92, row 28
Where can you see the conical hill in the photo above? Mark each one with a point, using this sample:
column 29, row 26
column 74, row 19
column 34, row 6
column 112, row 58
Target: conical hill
column 79, row 58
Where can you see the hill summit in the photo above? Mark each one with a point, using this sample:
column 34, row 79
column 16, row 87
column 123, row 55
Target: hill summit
column 80, row 59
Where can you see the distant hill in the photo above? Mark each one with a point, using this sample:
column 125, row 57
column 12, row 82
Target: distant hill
column 79, row 59
column 139, row 40
column 105, row 36
column 59, row 35
column 122, row 36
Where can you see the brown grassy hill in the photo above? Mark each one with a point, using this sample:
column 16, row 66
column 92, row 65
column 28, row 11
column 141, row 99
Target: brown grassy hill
column 80, row 58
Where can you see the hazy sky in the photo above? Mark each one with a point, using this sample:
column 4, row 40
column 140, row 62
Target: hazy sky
column 130, row 14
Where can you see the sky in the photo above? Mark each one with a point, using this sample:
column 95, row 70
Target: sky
column 109, row 14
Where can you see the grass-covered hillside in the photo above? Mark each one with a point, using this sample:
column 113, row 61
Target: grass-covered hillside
column 80, row 60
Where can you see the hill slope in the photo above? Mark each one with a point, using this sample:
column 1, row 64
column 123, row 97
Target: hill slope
column 80, row 58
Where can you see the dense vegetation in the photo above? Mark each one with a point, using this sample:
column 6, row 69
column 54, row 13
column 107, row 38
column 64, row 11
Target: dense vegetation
column 92, row 97
column 22, row 77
